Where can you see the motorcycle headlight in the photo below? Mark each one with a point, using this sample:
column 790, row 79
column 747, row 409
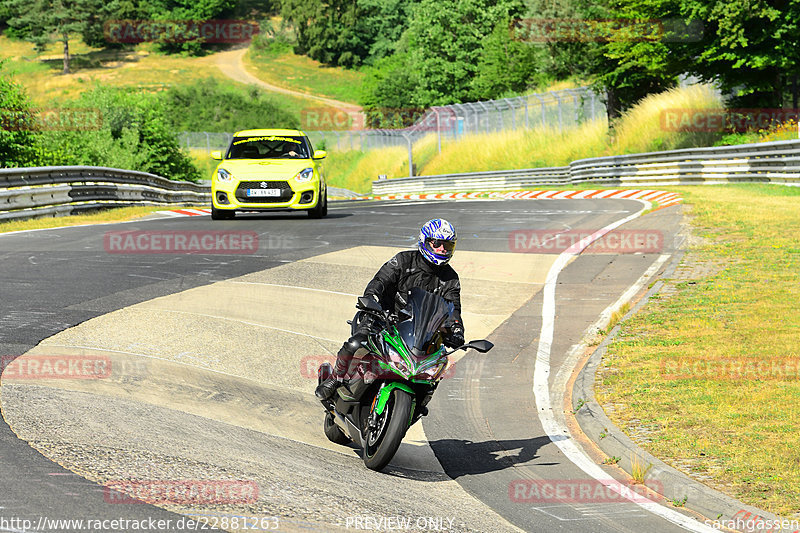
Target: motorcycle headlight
column 396, row 361
column 307, row 174
column 224, row 175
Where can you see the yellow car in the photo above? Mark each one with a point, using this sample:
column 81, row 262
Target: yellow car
column 269, row 170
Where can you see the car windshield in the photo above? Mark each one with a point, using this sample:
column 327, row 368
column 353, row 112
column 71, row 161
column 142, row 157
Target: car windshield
column 269, row 147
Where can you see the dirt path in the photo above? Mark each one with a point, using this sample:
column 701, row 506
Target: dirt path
column 231, row 64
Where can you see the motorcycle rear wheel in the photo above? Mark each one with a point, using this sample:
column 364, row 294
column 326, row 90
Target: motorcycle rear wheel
column 332, row 431
column 380, row 446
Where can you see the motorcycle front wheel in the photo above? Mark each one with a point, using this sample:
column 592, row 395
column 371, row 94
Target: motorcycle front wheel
column 382, row 442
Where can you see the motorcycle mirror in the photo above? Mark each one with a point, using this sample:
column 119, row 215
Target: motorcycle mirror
column 482, row 346
column 369, row 304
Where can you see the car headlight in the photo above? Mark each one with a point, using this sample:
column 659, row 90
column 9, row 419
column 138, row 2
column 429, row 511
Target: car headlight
column 224, row 175
column 307, row 174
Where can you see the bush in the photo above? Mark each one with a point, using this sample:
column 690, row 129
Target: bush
column 272, row 40
column 17, row 139
column 134, row 134
column 209, row 105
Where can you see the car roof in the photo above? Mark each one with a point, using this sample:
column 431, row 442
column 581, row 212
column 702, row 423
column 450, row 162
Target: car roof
column 252, row 133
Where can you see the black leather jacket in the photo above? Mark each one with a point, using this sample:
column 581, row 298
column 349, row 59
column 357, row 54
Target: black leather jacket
column 409, row 269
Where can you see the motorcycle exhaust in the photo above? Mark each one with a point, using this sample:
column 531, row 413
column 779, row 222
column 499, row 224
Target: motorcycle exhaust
column 354, row 433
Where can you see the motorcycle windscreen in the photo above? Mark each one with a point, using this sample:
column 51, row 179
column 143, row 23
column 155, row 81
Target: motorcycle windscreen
column 428, row 313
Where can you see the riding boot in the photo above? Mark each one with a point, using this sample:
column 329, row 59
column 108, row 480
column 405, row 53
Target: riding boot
column 327, row 388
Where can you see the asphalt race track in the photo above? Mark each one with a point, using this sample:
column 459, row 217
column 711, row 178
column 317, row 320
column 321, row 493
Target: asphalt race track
column 207, row 368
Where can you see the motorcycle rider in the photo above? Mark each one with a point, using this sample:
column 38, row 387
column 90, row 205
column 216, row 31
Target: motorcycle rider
column 427, row 268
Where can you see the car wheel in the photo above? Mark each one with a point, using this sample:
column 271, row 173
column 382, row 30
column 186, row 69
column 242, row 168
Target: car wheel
column 222, row 214
column 321, row 209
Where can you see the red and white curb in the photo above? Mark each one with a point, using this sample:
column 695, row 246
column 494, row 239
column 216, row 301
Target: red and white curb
column 186, row 212
column 662, row 198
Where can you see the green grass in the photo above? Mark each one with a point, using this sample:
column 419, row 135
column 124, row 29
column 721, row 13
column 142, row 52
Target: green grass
column 739, row 431
column 356, row 170
column 301, row 73
column 204, row 163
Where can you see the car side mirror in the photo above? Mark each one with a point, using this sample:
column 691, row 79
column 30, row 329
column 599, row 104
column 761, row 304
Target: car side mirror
column 320, row 154
column 482, row 346
column 216, row 154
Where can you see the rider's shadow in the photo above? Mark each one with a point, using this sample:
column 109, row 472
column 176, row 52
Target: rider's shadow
column 461, row 457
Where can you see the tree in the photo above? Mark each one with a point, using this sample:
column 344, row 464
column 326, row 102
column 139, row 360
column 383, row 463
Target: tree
column 644, row 54
column 445, row 42
column 507, row 64
column 347, row 32
column 45, row 21
column 188, row 11
column 748, row 47
column 388, row 92
column 629, row 49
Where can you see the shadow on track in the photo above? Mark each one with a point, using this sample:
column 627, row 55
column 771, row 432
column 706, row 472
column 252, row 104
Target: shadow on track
column 463, row 457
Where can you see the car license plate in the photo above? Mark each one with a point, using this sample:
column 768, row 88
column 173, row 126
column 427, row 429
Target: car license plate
column 263, row 192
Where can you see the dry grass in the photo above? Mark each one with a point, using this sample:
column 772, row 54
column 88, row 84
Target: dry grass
column 106, row 215
column 644, row 128
column 640, row 130
column 638, row 470
column 736, row 431
column 519, row 149
column 140, row 69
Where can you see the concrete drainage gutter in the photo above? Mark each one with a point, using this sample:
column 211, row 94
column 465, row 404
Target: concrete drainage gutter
column 674, row 485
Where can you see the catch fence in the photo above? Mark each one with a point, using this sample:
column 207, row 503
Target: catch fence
column 556, row 110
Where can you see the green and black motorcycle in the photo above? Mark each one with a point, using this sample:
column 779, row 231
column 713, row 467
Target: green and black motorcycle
column 392, row 376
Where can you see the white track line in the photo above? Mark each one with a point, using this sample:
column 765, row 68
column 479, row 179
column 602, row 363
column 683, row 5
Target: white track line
column 290, row 287
column 559, row 433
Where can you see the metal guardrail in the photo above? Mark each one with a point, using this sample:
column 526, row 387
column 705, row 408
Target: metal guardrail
column 772, row 162
column 55, row 191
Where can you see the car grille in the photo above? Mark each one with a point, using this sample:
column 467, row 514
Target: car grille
column 286, row 192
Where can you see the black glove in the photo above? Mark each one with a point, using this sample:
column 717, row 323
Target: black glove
column 456, row 336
